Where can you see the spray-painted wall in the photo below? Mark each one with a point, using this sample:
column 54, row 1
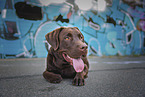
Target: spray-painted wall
column 117, row 30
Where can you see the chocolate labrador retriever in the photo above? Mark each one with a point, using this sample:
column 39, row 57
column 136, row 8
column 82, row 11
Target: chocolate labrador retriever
column 67, row 56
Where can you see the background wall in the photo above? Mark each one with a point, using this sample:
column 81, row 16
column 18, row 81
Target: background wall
column 110, row 27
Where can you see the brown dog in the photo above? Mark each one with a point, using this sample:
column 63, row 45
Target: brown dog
column 67, row 56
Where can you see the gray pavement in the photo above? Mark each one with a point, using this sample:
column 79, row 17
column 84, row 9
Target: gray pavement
column 108, row 77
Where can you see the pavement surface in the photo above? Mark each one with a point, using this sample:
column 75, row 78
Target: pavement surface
column 108, row 77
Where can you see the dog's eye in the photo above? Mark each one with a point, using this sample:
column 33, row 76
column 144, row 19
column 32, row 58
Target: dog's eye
column 81, row 38
column 67, row 38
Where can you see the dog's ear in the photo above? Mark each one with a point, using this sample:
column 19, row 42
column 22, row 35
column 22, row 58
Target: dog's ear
column 53, row 37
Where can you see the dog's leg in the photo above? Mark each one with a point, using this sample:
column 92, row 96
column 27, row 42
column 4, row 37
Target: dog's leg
column 79, row 79
column 52, row 77
column 85, row 71
column 80, row 76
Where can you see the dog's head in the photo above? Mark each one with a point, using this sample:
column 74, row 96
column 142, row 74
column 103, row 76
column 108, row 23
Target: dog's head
column 69, row 41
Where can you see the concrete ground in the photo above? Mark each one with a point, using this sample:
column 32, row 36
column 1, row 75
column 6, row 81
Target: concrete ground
column 108, row 77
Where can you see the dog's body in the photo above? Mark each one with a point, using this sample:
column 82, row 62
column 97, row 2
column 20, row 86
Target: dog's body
column 68, row 51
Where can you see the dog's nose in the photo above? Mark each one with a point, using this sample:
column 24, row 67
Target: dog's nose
column 83, row 47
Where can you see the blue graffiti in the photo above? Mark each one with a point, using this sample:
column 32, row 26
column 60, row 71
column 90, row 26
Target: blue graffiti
column 117, row 30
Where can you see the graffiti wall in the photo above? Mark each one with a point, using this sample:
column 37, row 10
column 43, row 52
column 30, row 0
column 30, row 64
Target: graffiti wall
column 110, row 27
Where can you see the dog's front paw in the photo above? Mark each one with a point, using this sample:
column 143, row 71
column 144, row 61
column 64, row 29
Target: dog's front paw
column 51, row 77
column 56, row 79
column 79, row 80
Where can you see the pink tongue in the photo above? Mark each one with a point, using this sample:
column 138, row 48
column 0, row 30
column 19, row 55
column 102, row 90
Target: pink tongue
column 78, row 65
